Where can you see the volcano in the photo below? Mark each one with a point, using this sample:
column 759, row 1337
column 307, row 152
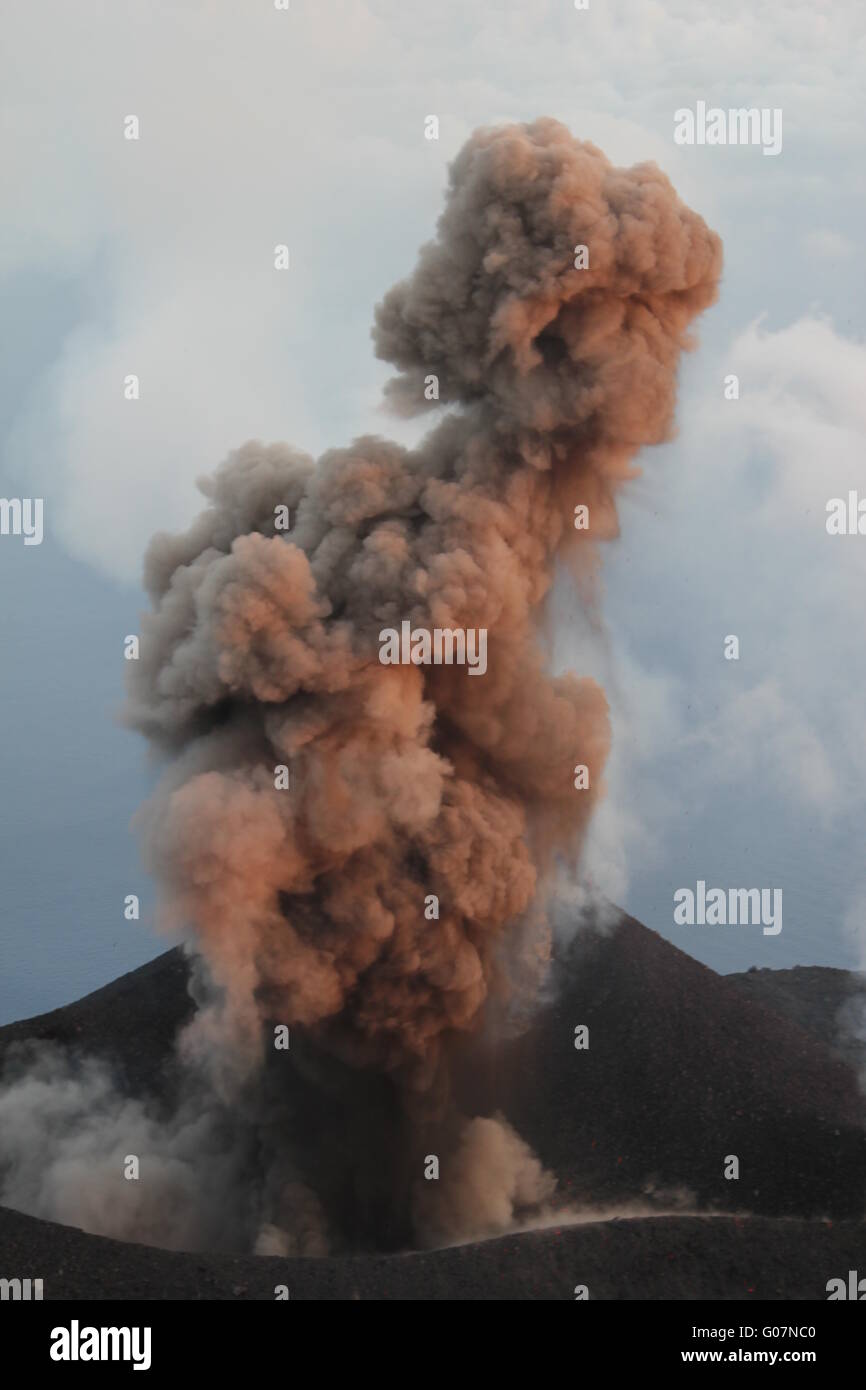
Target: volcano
column 681, row 1069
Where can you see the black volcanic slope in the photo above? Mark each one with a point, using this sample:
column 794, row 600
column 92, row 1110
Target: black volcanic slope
column 831, row 1004
column 684, row 1068
column 132, row 1021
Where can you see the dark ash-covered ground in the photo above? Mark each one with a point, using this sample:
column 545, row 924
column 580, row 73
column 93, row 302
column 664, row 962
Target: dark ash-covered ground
column 684, row 1067
column 675, row 1257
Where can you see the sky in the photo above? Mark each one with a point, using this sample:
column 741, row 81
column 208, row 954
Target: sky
column 306, row 127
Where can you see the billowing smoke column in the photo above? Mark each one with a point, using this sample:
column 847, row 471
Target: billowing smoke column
column 397, row 884
column 263, row 649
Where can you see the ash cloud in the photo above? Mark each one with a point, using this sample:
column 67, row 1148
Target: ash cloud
column 67, row 1132
column 494, row 1182
column 261, row 649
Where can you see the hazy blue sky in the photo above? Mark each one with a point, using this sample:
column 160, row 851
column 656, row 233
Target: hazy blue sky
column 307, row 127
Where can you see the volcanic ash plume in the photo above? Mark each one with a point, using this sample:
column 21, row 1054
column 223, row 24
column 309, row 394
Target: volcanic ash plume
column 412, row 785
column 263, row 647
